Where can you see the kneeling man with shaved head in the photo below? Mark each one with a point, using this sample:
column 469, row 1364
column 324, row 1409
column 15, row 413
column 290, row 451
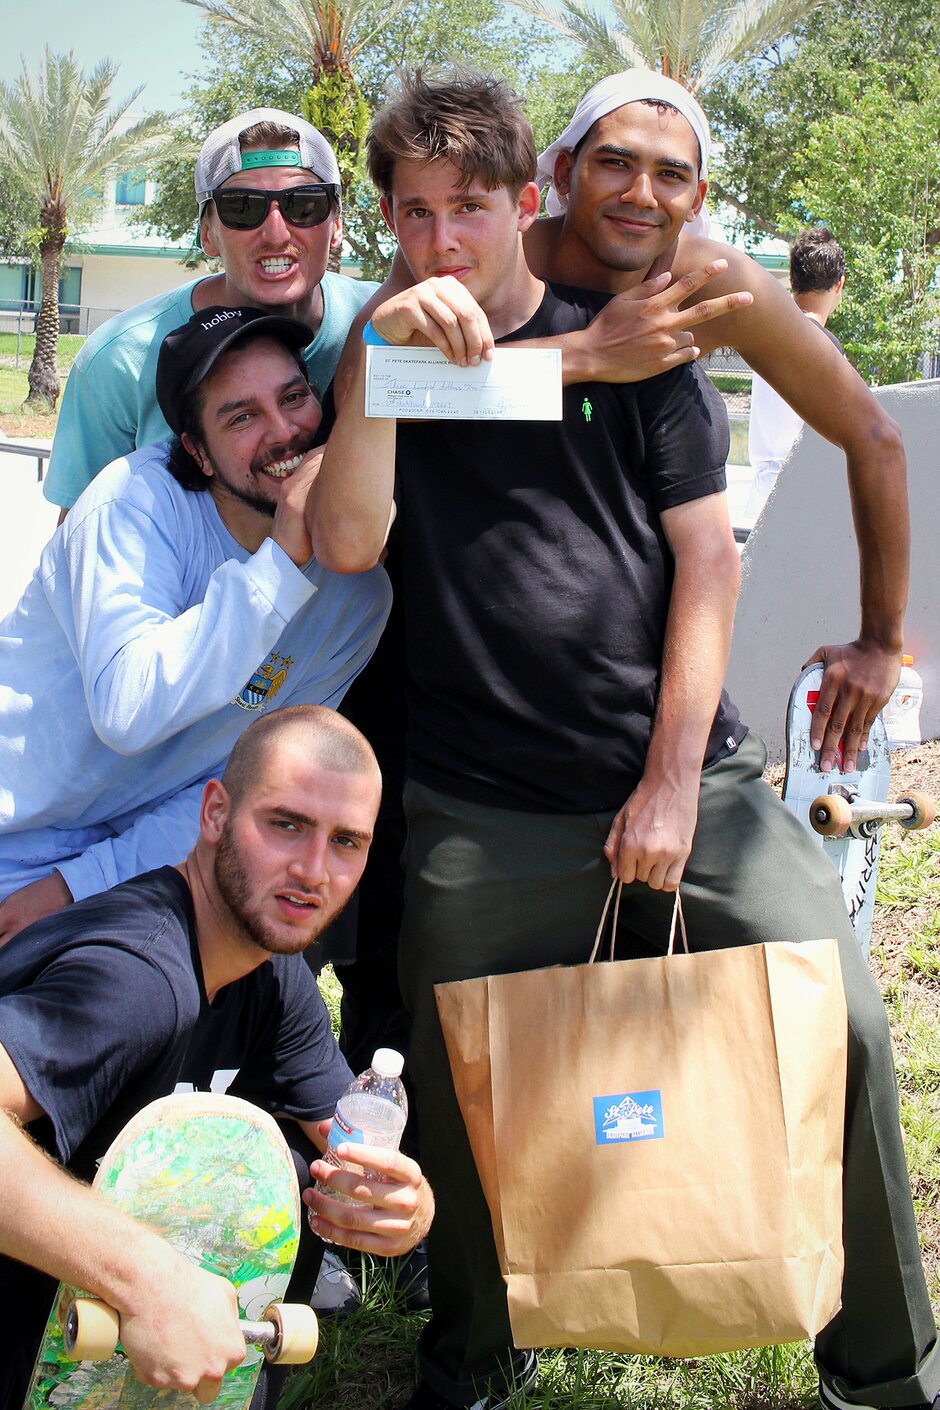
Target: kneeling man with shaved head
column 164, row 980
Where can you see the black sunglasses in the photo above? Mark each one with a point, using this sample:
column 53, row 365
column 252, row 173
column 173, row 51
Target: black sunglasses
column 239, row 208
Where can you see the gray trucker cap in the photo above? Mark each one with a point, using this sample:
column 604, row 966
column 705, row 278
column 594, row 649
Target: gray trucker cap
column 221, row 156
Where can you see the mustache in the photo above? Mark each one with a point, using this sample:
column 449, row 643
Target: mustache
column 300, row 445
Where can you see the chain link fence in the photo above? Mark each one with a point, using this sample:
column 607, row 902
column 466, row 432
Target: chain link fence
column 20, row 319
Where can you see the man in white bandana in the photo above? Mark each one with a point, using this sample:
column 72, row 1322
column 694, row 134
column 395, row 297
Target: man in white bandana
column 617, row 224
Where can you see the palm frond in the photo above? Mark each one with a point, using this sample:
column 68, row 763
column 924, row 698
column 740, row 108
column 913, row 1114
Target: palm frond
column 326, row 33
column 693, row 41
column 59, row 133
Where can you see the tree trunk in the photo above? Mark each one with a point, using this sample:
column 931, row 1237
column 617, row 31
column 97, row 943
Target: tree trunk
column 43, row 371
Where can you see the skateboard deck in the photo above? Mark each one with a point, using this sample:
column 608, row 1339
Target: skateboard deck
column 854, row 857
column 213, row 1175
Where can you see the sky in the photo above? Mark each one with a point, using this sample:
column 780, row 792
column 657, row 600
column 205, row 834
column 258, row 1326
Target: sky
column 154, row 42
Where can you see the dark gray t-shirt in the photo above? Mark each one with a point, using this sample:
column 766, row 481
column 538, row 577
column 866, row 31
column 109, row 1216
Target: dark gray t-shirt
column 103, row 1009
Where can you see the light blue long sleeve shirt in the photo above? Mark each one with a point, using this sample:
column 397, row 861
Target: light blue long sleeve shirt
column 144, row 644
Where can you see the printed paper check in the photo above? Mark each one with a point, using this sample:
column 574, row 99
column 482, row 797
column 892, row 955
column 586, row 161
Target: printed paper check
column 519, row 384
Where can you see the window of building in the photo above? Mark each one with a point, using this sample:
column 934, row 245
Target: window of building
column 131, row 189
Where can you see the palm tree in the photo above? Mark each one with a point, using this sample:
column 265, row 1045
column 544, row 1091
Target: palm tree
column 327, row 34
column 58, row 140
column 692, row 41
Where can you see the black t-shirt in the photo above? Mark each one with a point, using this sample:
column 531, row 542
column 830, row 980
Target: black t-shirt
column 103, row 1009
column 537, row 579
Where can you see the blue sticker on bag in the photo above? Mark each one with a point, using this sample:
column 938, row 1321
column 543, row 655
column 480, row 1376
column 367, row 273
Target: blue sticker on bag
column 628, row 1116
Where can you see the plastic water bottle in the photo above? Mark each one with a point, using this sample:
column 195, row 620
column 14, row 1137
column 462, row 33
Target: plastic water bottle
column 901, row 715
column 371, row 1112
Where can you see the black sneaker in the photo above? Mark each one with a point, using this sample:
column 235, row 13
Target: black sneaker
column 830, row 1399
column 424, row 1398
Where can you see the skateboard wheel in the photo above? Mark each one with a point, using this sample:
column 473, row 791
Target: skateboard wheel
column 830, row 815
column 923, row 810
column 90, row 1330
column 297, row 1333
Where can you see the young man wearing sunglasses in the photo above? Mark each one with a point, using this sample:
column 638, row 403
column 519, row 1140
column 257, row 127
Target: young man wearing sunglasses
column 268, row 189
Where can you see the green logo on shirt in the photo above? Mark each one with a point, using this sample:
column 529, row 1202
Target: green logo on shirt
column 587, row 409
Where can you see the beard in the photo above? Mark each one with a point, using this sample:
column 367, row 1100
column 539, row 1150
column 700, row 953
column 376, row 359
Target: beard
column 234, row 887
column 261, row 503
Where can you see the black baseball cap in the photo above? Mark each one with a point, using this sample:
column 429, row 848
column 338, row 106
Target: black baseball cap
column 188, row 354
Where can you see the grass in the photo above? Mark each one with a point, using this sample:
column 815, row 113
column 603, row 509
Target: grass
column 14, row 389
column 731, row 381
column 68, row 348
column 366, row 1361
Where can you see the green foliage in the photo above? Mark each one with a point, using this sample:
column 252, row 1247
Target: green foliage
column 336, row 106
column 840, row 127
column 693, row 43
column 19, row 232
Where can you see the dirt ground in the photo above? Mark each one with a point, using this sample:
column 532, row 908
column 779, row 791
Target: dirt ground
column 895, row 926
column 20, row 426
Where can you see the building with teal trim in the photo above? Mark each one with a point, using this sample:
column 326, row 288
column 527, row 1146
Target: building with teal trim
column 110, row 266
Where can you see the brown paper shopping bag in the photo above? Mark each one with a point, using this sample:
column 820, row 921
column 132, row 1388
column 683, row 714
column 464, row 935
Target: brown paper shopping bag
column 660, row 1144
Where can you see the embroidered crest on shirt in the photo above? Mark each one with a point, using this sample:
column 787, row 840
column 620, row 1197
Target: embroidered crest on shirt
column 264, row 684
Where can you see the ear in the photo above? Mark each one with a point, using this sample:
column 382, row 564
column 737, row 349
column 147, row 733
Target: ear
column 215, row 811
column 207, row 239
column 386, row 210
column 336, row 239
column 698, row 202
column 561, row 177
column 529, row 203
column 191, row 448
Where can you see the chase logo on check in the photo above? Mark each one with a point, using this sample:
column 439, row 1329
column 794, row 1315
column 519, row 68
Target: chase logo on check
column 628, row 1116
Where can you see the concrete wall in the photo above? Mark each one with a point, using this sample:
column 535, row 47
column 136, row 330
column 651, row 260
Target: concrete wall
column 800, row 586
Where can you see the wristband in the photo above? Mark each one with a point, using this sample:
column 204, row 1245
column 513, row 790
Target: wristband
column 372, row 339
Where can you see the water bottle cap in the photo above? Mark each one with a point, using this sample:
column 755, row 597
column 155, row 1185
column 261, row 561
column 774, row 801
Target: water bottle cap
column 387, row 1063
column 907, row 660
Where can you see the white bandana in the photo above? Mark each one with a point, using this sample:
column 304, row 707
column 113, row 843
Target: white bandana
column 605, row 97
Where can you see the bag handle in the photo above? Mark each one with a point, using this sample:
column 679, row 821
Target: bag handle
column 616, row 887
column 677, row 916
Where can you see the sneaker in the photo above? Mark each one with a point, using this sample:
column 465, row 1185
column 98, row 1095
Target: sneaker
column 830, row 1399
column 336, row 1291
column 424, row 1398
column 412, row 1279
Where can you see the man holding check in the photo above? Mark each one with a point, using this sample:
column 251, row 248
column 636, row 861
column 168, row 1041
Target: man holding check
column 568, row 591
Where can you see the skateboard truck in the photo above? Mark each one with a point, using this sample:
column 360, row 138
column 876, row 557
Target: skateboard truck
column 287, row 1332
column 835, row 815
